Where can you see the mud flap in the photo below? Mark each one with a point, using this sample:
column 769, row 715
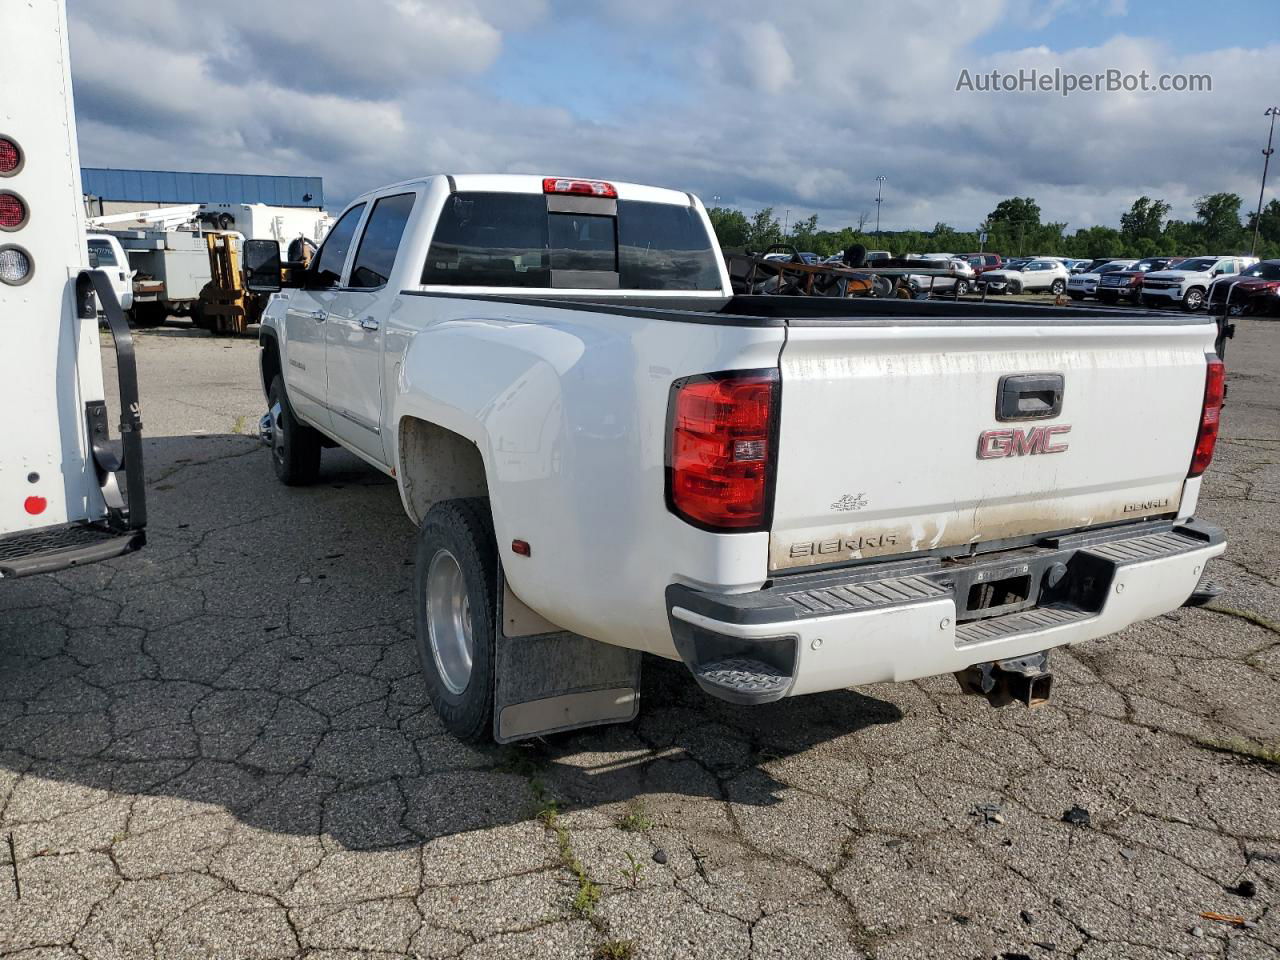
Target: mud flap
column 549, row 680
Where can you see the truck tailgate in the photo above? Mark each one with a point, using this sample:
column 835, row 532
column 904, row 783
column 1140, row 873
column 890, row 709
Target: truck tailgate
column 892, row 440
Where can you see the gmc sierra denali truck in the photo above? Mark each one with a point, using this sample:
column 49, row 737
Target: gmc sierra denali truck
column 605, row 452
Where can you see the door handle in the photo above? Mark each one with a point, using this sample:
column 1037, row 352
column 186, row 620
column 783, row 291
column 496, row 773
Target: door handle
column 368, row 323
column 318, row 315
column 1029, row 396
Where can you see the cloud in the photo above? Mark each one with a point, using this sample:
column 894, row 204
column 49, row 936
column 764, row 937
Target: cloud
column 739, row 100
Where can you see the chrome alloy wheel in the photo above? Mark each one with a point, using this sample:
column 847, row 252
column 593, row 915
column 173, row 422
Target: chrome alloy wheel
column 449, row 621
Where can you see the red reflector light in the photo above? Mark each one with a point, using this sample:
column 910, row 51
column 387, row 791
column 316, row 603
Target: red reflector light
column 722, row 449
column 589, row 188
column 10, row 157
column 13, row 212
column 1215, row 377
column 521, row 548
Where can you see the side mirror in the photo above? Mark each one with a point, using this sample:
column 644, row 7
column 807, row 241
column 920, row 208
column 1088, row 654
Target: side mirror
column 262, row 265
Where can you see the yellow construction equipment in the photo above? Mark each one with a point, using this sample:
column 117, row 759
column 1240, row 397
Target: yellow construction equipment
column 225, row 305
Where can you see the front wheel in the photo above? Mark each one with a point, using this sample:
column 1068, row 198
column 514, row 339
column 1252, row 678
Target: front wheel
column 1193, row 300
column 455, row 614
column 962, row 287
column 295, row 447
column 1057, row 287
column 1014, row 288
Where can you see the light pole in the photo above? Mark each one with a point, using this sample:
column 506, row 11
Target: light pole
column 1266, row 162
column 879, row 189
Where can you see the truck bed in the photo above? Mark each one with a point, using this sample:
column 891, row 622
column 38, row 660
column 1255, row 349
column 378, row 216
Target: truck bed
column 749, row 310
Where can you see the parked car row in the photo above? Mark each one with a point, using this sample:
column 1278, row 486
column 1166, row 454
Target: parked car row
column 1126, row 283
column 1148, row 282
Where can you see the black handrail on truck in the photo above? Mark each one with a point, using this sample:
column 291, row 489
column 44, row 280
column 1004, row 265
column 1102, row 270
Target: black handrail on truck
column 132, row 516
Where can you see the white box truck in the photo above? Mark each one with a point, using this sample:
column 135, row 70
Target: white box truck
column 68, row 494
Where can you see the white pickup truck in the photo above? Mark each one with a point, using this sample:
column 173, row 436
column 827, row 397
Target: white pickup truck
column 605, row 452
column 1189, row 281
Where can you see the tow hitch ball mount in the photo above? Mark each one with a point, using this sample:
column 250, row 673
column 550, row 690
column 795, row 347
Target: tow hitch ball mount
column 1026, row 680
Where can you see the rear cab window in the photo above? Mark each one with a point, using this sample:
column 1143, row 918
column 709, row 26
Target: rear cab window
column 550, row 241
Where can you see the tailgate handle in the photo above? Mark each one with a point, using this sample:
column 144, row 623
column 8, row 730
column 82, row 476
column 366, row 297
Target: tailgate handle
column 1029, row 396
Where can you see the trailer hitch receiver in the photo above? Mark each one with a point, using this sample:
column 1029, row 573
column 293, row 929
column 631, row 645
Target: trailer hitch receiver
column 1026, row 680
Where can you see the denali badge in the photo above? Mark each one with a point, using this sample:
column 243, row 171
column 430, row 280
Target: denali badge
column 993, row 444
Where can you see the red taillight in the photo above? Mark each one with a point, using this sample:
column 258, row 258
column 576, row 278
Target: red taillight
column 589, row 188
column 13, row 212
column 722, row 439
column 1214, row 390
column 10, row 157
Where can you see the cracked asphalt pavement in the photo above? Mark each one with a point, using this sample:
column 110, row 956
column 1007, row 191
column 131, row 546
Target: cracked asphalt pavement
column 221, row 747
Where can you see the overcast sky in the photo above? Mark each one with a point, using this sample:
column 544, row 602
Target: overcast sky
column 797, row 106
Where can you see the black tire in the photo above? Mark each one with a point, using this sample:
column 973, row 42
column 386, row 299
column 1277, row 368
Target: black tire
column 1014, row 288
column 1057, row 286
column 149, row 314
column 295, row 449
column 464, row 530
column 962, row 287
column 1193, row 299
column 201, row 320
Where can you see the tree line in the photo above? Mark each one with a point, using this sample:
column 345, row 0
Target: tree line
column 1014, row 228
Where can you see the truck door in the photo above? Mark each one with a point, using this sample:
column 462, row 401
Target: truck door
column 305, row 319
column 106, row 254
column 354, row 330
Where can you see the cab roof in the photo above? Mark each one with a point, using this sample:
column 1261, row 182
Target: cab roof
column 532, row 183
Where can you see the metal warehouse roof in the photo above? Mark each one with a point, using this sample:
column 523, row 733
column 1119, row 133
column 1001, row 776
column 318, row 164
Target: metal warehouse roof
column 171, row 186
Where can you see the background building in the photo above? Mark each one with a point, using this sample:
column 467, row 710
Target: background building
column 109, row 191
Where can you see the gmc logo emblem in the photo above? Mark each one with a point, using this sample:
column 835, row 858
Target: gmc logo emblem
column 993, row 444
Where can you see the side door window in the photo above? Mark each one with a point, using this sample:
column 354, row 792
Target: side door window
column 376, row 254
column 327, row 267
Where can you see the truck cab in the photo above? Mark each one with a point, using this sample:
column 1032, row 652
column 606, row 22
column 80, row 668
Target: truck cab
column 106, row 254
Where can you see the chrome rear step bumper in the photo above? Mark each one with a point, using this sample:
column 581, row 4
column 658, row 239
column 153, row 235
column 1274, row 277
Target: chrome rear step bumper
column 915, row 618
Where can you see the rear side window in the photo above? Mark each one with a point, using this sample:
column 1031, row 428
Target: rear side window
column 333, row 255
column 662, row 246
column 101, row 254
column 511, row 240
column 377, row 251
